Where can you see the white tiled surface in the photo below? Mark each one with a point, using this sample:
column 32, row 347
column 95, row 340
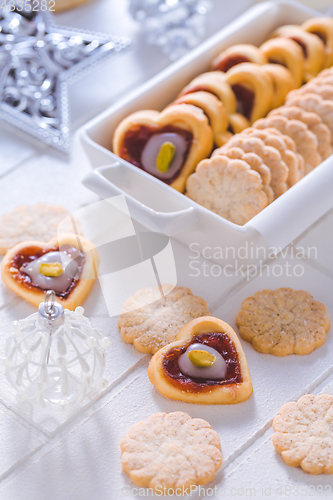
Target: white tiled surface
column 76, row 455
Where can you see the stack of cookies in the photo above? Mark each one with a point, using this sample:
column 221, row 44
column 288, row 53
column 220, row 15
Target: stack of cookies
column 259, row 164
column 260, row 146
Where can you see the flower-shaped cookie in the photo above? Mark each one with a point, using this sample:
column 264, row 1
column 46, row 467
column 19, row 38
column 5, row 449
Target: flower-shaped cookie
column 205, row 365
column 229, row 188
column 283, row 321
column 306, row 142
column 33, row 222
column 256, row 164
column 315, row 104
column 171, row 451
column 287, row 148
column 314, row 123
column 269, row 155
column 150, row 322
column 303, row 433
column 323, row 88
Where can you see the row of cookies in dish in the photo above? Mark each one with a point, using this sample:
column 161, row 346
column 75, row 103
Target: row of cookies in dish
column 258, row 165
column 304, row 50
column 261, row 77
column 218, row 104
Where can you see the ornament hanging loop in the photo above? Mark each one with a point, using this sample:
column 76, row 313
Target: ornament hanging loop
column 49, row 302
column 50, row 309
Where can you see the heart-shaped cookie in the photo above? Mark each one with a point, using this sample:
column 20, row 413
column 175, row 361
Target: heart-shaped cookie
column 67, row 264
column 253, row 89
column 237, row 54
column 167, row 145
column 205, row 365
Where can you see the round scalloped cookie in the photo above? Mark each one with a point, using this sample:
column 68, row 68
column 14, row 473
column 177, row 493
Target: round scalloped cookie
column 306, row 142
column 34, row 222
column 171, row 451
column 149, row 321
column 314, row 123
column 324, row 73
column 315, row 104
column 324, row 89
column 303, row 433
column 287, row 148
column 283, row 321
column 229, row 188
column 269, row 155
column 256, row 164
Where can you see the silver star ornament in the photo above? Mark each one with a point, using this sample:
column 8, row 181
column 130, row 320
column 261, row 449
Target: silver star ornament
column 37, row 62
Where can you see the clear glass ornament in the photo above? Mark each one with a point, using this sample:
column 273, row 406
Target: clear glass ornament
column 55, row 357
column 174, row 25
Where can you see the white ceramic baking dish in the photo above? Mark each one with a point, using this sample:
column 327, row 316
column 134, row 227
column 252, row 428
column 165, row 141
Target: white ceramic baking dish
column 159, row 207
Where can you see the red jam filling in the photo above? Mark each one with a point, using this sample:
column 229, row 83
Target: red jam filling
column 219, row 341
column 28, row 254
column 245, row 100
column 274, row 61
column 301, row 44
column 136, row 138
column 230, row 61
column 320, row 35
column 200, row 88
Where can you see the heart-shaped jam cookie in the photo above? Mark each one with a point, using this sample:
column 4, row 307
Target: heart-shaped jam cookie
column 167, row 145
column 67, row 264
column 237, row 54
column 285, row 52
column 253, row 89
column 312, row 46
column 205, row 365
